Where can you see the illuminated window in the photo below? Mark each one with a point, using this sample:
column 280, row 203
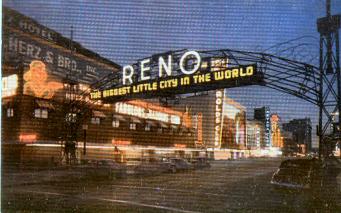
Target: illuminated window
column 83, row 87
column 44, row 113
column 71, row 117
column 9, row 85
column 147, row 127
column 10, row 112
column 115, row 123
column 95, row 120
column 159, row 130
column 132, row 126
column 40, row 113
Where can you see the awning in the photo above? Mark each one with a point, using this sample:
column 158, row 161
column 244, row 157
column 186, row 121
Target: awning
column 151, row 123
column 98, row 114
column 119, row 117
column 135, row 120
column 174, row 127
column 45, row 104
column 163, row 125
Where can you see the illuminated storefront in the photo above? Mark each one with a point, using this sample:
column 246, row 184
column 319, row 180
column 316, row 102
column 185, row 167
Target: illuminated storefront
column 9, row 85
column 39, row 70
column 140, row 122
column 234, row 125
column 224, row 121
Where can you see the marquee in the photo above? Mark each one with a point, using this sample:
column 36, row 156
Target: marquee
column 191, row 73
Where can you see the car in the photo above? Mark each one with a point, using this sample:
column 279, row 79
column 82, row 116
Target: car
column 296, row 174
column 307, row 174
column 200, row 163
column 102, row 168
column 179, row 164
column 153, row 167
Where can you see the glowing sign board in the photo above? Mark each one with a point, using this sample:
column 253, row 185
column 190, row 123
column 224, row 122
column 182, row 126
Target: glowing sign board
column 199, row 128
column 27, row 138
column 141, row 112
column 267, row 127
column 37, row 83
column 218, row 117
column 192, row 79
column 234, row 125
column 9, row 85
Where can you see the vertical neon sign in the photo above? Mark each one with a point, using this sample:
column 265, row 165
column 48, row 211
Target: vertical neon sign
column 219, row 98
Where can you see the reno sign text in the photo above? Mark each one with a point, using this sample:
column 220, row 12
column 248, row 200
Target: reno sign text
column 196, row 74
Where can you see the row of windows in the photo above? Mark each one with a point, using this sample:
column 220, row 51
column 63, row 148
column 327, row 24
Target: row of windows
column 10, row 112
column 38, row 113
column 71, row 117
column 147, row 127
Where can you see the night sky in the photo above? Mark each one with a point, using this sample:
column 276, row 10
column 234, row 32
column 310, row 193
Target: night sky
column 125, row 31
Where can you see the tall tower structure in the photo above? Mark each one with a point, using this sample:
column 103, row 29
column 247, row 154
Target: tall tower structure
column 329, row 94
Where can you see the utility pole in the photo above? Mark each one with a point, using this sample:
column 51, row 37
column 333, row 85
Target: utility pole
column 71, row 111
column 329, row 66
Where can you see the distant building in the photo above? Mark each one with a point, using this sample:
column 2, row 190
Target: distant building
column 289, row 146
column 220, row 121
column 255, row 134
column 277, row 139
column 263, row 114
column 301, row 133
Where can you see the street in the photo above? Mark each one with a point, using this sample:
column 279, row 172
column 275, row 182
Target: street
column 228, row 186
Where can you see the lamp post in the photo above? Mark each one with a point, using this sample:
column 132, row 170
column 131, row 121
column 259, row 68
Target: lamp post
column 84, row 127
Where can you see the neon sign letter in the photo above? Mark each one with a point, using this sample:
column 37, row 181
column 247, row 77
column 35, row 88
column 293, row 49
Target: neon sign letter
column 125, row 76
column 184, row 56
column 162, row 64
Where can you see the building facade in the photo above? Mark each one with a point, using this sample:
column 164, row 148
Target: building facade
column 301, row 133
column 37, row 67
column 219, row 121
column 276, row 136
column 46, row 82
column 263, row 114
column 255, row 134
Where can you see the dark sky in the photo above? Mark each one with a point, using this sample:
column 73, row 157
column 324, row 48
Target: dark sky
column 124, row 31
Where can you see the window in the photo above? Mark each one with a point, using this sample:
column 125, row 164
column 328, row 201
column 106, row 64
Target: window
column 172, row 130
column 71, row 117
column 10, row 112
column 115, row 123
column 159, row 130
column 147, row 127
column 132, row 126
column 40, row 113
column 9, row 85
column 95, row 120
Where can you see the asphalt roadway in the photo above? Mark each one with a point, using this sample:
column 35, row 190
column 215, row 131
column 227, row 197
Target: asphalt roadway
column 228, row 186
